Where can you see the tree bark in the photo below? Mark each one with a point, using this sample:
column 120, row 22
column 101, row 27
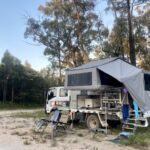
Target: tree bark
column 121, row 47
column 12, row 93
column 131, row 37
column 59, row 68
column 4, row 91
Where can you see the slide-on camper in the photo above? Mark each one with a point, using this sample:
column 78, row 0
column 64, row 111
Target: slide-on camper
column 100, row 89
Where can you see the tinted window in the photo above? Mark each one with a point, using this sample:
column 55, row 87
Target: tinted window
column 81, row 79
column 147, row 82
column 51, row 93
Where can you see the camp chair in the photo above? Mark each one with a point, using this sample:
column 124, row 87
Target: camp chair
column 53, row 121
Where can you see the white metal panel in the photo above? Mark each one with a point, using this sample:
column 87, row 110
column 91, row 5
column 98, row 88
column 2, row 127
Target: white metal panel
column 95, row 79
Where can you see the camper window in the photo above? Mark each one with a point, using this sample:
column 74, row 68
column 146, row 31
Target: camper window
column 147, row 82
column 80, row 79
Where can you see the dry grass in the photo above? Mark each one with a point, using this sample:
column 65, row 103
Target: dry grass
column 19, row 133
column 15, row 133
column 26, row 142
column 95, row 148
column 54, row 143
column 97, row 137
column 75, row 141
column 80, row 135
column 37, row 114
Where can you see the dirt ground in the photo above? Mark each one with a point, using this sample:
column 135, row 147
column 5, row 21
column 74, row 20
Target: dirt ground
column 20, row 134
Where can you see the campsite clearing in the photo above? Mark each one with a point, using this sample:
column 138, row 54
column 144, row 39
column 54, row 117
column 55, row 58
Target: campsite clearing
column 18, row 133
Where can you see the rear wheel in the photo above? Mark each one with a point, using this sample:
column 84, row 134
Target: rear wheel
column 93, row 122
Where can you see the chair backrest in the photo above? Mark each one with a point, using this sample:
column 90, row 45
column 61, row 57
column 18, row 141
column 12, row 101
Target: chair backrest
column 56, row 116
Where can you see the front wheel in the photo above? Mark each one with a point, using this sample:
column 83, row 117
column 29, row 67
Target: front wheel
column 93, row 122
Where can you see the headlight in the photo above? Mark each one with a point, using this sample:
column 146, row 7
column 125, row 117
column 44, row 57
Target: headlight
column 53, row 103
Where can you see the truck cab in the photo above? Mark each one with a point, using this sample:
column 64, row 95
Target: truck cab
column 57, row 97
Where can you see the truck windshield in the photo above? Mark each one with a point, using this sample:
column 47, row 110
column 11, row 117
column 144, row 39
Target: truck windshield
column 51, row 93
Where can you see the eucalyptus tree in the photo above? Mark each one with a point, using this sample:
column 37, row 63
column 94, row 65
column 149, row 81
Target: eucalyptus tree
column 68, row 30
column 117, row 44
column 126, row 7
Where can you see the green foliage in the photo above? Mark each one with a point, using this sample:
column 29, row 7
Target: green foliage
column 129, row 36
column 140, row 139
column 36, row 114
column 146, row 62
column 118, row 39
column 69, row 30
column 21, row 85
column 14, row 106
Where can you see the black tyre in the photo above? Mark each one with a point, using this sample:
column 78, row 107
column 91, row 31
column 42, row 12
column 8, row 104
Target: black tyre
column 93, row 122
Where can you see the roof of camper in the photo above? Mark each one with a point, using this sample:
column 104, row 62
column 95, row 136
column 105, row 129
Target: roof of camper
column 95, row 63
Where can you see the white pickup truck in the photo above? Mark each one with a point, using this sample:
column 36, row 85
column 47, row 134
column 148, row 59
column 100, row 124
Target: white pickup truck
column 96, row 108
column 57, row 97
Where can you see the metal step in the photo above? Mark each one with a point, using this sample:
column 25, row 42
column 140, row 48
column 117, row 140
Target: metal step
column 128, row 123
column 136, row 123
column 140, row 119
column 132, row 111
column 132, row 123
column 129, row 128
